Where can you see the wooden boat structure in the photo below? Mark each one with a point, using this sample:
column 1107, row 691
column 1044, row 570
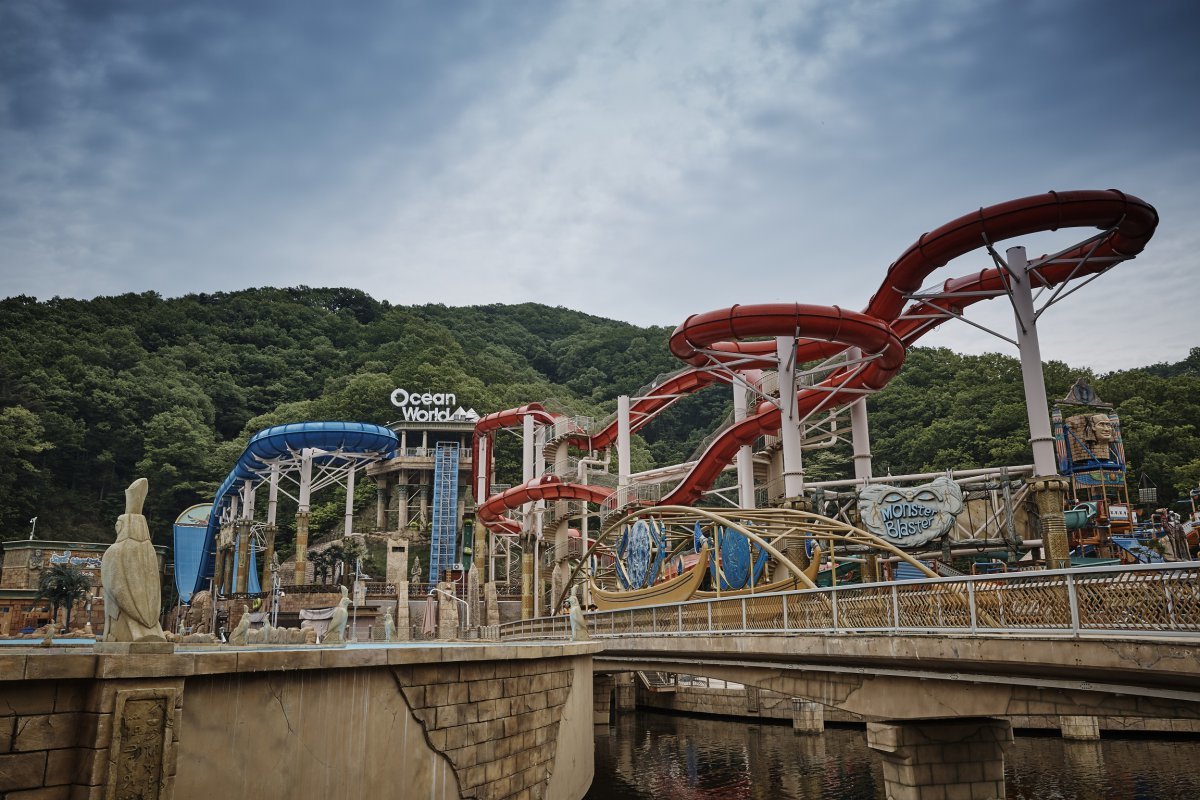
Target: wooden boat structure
column 768, row 529
column 674, row 590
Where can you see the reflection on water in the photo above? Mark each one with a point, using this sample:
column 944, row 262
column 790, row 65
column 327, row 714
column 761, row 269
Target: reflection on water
column 660, row 756
column 653, row 756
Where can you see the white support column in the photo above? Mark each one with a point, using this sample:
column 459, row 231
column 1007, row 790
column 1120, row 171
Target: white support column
column 1044, row 460
column 539, row 469
column 305, row 493
column 273, row 494
column 860, row 432
column 248, row 495
column 350, row 497
column 789, row 421
column 623, row 437
column 480, row 488
column 745, row 454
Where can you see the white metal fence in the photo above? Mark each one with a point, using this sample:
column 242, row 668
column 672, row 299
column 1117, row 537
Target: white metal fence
column 1146, row 599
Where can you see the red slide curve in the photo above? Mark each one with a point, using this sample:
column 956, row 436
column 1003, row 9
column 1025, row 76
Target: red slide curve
column 730, row 335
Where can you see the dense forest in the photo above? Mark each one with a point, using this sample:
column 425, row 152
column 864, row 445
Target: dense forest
column 95, row 393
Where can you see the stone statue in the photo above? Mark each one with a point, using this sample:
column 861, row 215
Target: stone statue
column 129, row 574
column 389, row 626
column 579, row 631
column 414, row 574
column 199, row 613
column 337, row 624
column 239, row 636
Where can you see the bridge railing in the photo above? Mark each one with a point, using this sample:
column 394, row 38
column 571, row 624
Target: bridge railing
column 1151, row 599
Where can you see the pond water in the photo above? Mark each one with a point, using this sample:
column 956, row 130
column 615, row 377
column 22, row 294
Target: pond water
column 646, row 756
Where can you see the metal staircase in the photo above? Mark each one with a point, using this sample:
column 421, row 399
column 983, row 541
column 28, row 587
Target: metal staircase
column 443, row 544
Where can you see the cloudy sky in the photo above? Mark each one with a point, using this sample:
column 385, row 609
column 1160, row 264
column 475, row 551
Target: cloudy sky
column 637, row 160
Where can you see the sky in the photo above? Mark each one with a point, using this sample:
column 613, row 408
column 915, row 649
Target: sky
column 641, row 160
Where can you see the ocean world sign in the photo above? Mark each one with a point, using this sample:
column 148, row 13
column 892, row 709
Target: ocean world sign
column 425, row 406
column 910, row 516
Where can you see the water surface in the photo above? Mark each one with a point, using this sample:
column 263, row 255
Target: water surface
column 647, row 756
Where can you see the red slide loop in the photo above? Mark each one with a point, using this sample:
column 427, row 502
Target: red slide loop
column 742, row 337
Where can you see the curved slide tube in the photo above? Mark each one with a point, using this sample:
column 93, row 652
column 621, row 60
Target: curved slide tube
column 547, row 487
column 286, row 442
column 728, row 336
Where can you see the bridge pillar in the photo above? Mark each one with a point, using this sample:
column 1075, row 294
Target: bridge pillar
column 602, row 692
column 942, row 758
column 807, row 717
column 1082, row 729
column 626, row 691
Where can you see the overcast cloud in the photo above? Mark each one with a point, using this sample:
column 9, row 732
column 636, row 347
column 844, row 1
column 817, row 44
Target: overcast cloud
column 636, row 160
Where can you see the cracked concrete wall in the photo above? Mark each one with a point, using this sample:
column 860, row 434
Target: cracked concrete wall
column 327, row 733
column 503, row 728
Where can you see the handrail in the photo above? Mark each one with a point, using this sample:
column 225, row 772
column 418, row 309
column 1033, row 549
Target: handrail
column 467, row 606
column 1145, row 599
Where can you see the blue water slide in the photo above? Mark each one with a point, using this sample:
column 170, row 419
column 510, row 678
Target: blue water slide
column 284, row 442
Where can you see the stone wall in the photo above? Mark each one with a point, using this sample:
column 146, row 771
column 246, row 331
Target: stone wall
column 458, row 721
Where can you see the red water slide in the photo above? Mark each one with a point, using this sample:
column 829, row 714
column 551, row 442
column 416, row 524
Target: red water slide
column 547, row 487
column 732, row 336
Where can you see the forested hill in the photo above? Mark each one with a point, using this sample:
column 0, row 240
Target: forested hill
column 95, row 393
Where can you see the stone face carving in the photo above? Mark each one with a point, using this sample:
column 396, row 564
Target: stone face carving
column 579, row 631
column 337, row 624
column 1091, row 437
column 389, row 626
column 910, row 516
column 129, row 574
column 199, row 613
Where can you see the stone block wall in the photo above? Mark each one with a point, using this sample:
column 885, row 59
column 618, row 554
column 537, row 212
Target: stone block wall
column 58, row 736
column 458, row 721
column 496, row 723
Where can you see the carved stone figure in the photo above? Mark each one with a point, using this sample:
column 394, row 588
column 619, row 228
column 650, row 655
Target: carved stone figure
column 337, row 624
column 129, row 574
column 579, row 631
column 389, row 626
column 1091, row 437
column 415, row 573
column 199, row 613
column 239, row 635
column 1105, row 434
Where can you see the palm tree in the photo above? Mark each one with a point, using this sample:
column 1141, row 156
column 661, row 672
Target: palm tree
column 63, row 585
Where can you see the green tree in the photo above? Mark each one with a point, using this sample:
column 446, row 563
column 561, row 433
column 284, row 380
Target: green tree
column 63, row 585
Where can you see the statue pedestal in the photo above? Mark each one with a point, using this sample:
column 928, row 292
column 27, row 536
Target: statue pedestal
column 135, row 648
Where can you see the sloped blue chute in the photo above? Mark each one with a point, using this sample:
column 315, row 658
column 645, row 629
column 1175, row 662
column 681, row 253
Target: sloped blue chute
column 189, row 547
column 279, row 442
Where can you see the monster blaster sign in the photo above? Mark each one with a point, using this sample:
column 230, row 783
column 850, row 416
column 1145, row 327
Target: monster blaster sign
column 425, row 406
column 910, row 517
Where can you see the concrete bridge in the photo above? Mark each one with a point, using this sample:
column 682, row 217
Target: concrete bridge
column 936, row 667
